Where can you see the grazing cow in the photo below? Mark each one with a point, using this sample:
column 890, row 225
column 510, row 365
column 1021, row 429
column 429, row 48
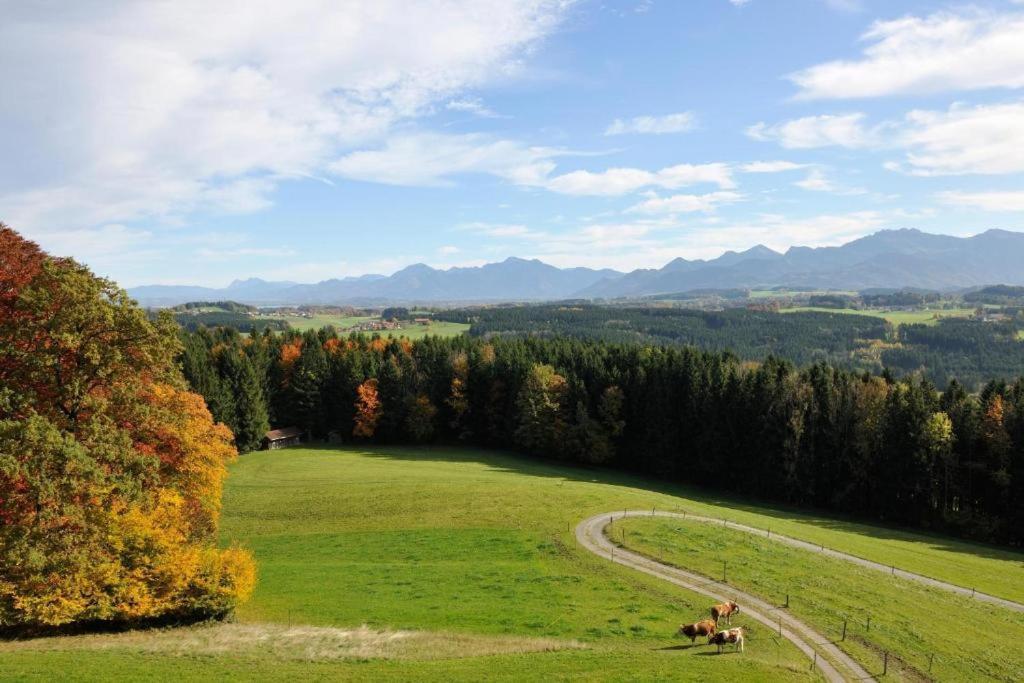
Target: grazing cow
column 701, row 628
column 722, row 638
column 726, row 609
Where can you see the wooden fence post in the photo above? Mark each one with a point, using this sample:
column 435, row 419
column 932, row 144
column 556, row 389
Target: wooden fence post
column 931, row 660
column 885, row 664
column 869, row 622
column 844, row 629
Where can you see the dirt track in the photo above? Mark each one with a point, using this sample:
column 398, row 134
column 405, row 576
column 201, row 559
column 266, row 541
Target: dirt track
column 833, row 663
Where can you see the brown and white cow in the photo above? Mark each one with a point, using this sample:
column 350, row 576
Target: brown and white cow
column 701, row 628
column 726, row 609
column 723, row 638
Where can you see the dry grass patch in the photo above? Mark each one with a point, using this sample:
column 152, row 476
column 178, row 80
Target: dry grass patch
column 302, row 643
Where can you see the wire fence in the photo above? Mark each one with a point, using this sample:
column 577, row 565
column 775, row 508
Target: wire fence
column 860, row 636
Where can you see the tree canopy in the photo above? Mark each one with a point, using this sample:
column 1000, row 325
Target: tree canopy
column 110, row 468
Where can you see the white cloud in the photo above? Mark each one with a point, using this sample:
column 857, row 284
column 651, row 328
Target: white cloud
column 1011, row 200
column 983, row 139
column 620, row 181
column 686, row 203
column 986, row 139
column 652, row 242
column 842, row 130
column 670, row 123
column 781, row 232
column 945, row 51
column 771, row 166
column 432, row 159
column 501, row 230
column 448, row 250
column 116, row 111
column 472, row 105
column 816, row 181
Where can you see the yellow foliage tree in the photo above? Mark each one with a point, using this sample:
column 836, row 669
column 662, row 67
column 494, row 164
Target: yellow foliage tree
column 110, row 471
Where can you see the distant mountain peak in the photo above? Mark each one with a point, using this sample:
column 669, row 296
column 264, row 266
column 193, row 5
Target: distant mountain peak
column 892, row 258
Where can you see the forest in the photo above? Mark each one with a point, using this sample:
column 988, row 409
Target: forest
column 970, row 351
column 872, row 446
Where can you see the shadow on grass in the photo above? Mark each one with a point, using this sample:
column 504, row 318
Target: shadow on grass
column 505, row 461
column 676, row 647
column 32, row 631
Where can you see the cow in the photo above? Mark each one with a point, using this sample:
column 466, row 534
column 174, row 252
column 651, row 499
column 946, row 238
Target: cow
column 701, row 628
column 726, row 609
column 722, row 638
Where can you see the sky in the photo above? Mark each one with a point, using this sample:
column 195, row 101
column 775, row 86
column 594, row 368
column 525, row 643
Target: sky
column 190, row 142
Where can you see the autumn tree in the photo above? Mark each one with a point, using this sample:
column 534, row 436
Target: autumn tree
column 110, row 470
column 542, row 422
column 368, row 410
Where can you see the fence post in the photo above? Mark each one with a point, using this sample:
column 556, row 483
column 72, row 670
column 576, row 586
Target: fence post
column 787, row 600
column 869, row 622
column 844, row 629
column 894, row 570
column 931, row 660
column 885, row 664
column 814, row 663
column 972, row 592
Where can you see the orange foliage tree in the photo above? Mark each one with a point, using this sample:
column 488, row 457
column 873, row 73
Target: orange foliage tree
column 368, row 410
column 110, row 470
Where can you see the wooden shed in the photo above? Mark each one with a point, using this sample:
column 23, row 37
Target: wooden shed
column 279, row 438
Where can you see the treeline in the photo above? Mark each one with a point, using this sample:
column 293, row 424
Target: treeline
column 229, row 306
column 803, row 338
column 242, row 322
column 871, row 446
column 996, row 294
column 971, row 351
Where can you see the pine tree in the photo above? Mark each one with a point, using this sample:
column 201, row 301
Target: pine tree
column 251, row 420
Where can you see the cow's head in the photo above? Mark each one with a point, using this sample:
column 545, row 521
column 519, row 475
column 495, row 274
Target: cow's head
column 734, row 607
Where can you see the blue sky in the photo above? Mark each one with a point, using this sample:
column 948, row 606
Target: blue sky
column 179, row 143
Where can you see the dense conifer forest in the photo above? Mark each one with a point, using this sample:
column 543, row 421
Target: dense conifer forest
column 970, row 351
column 868, row 445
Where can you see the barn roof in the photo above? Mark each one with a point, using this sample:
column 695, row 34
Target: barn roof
column 286, row 433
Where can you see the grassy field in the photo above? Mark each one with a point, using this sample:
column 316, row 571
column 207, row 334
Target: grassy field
column 908, row 620
column 411, row 331
column 927, row 316
column 780, row 293
column 472, row 552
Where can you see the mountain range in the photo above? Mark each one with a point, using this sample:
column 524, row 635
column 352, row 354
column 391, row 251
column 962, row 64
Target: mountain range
column 903, row 258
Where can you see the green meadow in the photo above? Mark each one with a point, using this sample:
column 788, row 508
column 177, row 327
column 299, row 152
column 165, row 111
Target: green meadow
column 928, row 632
column 342, row 323
column 431, row 563
column 926, row 316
